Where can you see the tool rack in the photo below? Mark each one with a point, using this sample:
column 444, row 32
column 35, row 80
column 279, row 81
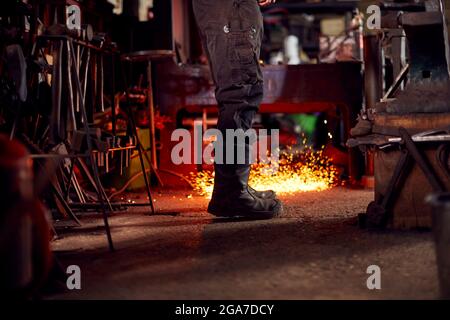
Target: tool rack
column 79, row 115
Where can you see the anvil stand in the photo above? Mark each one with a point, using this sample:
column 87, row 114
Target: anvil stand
column 378, row 211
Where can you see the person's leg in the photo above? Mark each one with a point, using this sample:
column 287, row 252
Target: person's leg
column 231, row 31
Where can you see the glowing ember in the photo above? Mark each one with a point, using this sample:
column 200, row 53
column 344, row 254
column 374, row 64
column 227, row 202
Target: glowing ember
column 298, row 171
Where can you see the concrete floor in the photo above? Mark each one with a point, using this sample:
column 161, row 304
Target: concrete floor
column 314, row 251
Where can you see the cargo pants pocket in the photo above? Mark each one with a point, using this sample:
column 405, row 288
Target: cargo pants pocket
column 242, row 46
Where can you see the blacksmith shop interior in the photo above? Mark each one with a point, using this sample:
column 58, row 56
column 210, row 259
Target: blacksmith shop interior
column 113, row 115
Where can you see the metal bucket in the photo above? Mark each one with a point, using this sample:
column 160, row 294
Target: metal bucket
column 441, row 230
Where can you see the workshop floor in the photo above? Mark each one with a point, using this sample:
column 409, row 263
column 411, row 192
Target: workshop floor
column 314, row 251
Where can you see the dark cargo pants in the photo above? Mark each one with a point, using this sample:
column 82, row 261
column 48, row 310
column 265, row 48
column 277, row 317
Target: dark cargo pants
column 231, row 32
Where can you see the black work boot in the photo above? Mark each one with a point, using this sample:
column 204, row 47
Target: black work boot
column 231, row 196
column 266, row 194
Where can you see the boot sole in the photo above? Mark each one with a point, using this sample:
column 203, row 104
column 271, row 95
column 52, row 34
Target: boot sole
column 259, row 215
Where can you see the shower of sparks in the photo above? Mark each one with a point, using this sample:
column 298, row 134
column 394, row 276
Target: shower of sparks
column 296, row 171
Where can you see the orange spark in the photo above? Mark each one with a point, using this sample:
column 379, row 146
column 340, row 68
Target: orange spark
column 296, row 171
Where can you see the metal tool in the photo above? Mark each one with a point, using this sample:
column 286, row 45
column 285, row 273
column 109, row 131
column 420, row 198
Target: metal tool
column 85, row 73
column 101, row 194
column 56, row 90
column 77, row 65
column 101, row 83
column 121, row 162
column 71, row 111
column 94, row 78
